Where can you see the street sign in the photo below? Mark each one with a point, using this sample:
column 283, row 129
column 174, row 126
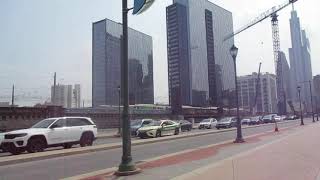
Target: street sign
column 141, row 5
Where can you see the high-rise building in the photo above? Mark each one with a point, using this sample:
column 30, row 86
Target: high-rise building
column 300, row 61
column 77, row 95
column 199, row 64
column 316, row 92
column 62, row 95
column 286, row 75
column 106, row 56
column 307, row 68
column 266, row 101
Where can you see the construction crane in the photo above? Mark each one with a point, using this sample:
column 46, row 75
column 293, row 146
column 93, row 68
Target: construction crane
column 257, row 91
column 276, row 47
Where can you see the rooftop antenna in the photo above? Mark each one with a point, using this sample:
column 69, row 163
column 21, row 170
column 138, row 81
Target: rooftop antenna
column 292, row 6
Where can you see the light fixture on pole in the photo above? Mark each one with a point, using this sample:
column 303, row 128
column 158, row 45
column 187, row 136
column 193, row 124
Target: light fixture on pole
column 234, row 53
column 301, row 115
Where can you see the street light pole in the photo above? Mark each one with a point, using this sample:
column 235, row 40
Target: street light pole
column 301, row 115
column 310, row 86
column 119, row 94
column 234, row 52
column 317, row 109
column 127, row 166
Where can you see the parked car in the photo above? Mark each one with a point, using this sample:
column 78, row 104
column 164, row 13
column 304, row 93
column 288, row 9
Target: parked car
column 159, row 128
column 293, row 117
column 255, row 120
column 277, row 118
column 136, row 124
column 208, row 123
column 185, row 125
column 245, row 121
column 1, row 139
column 52, row 132
column 227, row 122
column 290, row 117
column 269, row 118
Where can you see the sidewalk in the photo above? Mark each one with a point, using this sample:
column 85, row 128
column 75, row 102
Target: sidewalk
column 293, row 157
column 290, row 154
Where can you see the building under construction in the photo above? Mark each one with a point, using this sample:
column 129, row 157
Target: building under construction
column 258, row 95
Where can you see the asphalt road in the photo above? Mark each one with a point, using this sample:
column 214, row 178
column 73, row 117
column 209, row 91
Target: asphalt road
column 78, row 164
column 108, row 141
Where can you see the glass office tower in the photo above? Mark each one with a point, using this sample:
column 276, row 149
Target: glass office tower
column 106, row 55
column 199, row 62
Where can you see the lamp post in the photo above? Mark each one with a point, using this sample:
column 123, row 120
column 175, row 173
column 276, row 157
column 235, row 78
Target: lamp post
column 311, row 98
column 119, row 95
column 310, row 87
column 301, row 115
column 127, row 166
column 317, row 109
column 234, row 53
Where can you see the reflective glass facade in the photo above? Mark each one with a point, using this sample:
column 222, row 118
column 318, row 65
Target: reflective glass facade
column 207, row 54
column 178, row 57
column 106, row 65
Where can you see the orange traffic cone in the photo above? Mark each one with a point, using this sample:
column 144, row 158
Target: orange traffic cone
column 276, row 127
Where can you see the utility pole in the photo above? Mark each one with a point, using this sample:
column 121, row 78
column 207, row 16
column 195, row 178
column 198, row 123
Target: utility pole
column 12, row 96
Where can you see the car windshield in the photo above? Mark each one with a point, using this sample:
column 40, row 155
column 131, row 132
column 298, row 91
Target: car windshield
column 154, row 123
column 225, row 120
column 135, row 122
column 44, row 123
column 206, row 120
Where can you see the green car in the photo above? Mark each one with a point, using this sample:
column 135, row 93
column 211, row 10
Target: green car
column 159, row 128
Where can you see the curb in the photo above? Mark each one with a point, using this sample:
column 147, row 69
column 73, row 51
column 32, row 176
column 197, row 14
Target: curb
column 106, row 136
column 61, row 153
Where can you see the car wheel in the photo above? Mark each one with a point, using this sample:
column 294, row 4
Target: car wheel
column 210, row 127
column 176, row 131
column 218, row 128
column 67, row 146
column 35, row 145
column 189, row 128
column 86, row 139
column 158, row 133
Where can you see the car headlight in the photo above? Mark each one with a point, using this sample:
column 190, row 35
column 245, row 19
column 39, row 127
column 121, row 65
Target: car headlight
column 12, row 136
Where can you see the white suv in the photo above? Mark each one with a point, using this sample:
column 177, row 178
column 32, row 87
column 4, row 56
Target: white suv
column 52, row 132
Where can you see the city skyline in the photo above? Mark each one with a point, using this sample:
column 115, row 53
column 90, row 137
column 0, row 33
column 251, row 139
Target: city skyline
column 72, row 50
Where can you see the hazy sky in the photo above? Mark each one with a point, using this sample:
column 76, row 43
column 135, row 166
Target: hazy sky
column 40, row 37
